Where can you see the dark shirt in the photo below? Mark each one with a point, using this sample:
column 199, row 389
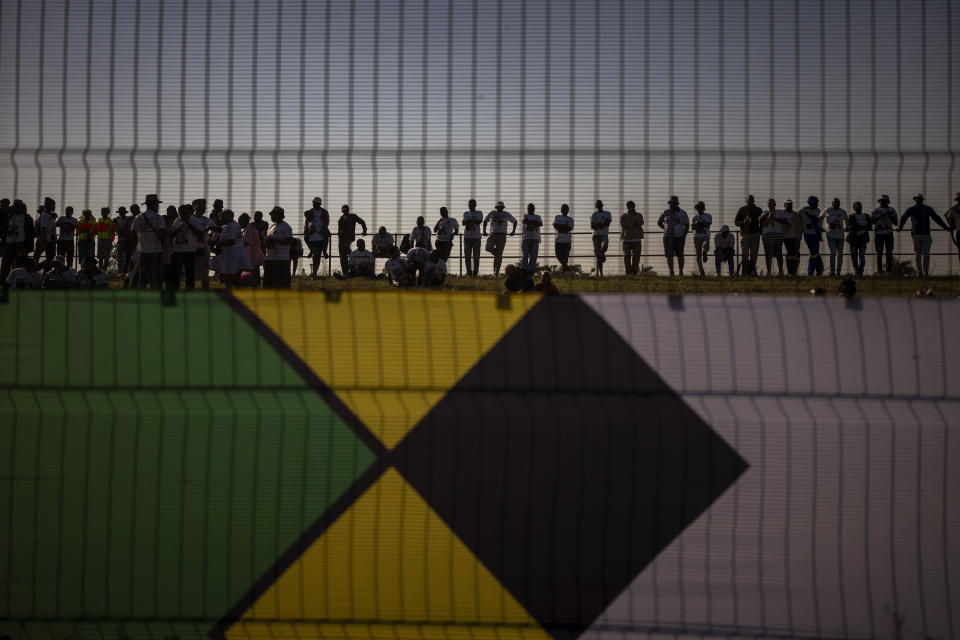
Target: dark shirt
column 921, row 214
column 748, row 218
column 347, row 226
column 521, row 282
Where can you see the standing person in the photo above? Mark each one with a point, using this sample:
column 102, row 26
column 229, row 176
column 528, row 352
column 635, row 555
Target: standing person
column 675, row 224
column 631, row 235
column 420, row 236
column 953, row 219
column 201, row 267
column 233, row 259
column 216, row 212
column 151, row 232
column 748, row 219
column 321, row 222
column 884, row 220
column 701, row 234
column 920, row 215
column 812, row 223
column 15, row 238
column 530, row 243
column 472, row 219
column 5, row 213
column 261, row 226
column 185, row 234
column 124, row 243
column 253, row 247
column 858, row 226
column 346, row 232
column 296, row 252
column 313, row 235
column 498, row 219
column 276, row 267
column 600, row 223
column 446, row 229
column 836, row 219
column 723, row 244
column 790, row 228
column 106, row 232
column 772, row 237
column 47, row 232
column 86, row 234
column 563, row 224
column 67, row 225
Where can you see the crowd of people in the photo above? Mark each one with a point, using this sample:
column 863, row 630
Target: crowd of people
column 186, row 243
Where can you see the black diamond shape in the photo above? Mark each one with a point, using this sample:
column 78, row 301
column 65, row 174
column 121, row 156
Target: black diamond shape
column 565, row 463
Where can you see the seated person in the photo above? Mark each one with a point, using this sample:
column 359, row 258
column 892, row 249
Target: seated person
column 398, row 270
column 24, row 275
column 417, row 257
column 517, row 279
column 60, row 276
column 360, row 262
column 90, row 276
column 546, row 284
column 382, row 244
column 434, row 270
column 723, row 243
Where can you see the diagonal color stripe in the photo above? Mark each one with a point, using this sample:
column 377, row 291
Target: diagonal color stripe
column 388, row 356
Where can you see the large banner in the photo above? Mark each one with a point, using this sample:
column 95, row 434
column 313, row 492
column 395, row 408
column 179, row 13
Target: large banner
column 466, row 465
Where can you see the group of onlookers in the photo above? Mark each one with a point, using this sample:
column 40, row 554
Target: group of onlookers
column 186, row 243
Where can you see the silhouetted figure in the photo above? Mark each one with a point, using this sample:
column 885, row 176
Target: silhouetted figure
column 748, row 219
column 675, row 225
column 631, row 236
column 276, row 267
column 920, row 215
column 546, row 286
column 563, row 241
column 346, row 232
column 953, row 219
column 836, row 219
column 361, row 262
column 600, row 221
column 530, row 243
column 885, row 220
column 858, row 234
column 811, row 222
column 434, row 269
column 772, row 232
column 517, row 279
column 106, row 232
column 497, row 240
column 446, row 229
column 472, row 219
column 47, row 231
column 723, row 248
column 151, row 231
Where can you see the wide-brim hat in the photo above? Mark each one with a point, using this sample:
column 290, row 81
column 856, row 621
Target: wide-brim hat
column 883, row 198
column 151, row 196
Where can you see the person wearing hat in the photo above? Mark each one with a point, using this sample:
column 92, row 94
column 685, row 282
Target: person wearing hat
column 150, row 230
column 86, row 235
column 723, row 243
column 953, row 219
column 60, row 276
column 318, row 239
column 884, row 220
column 701, row 234
column 836, row 219
column 472, row 219
column 748, row 219
column 631, row 237
column 600, row 221
column 920, row 215
column 346, row 233
column 124, row 244
column 811, row 222
column 563, row 240
column 46, row 231
column 497, row 241
column 675, row 224
column 276, row 267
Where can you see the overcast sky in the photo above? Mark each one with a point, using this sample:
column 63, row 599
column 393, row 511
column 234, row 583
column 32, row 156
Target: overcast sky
column 401, row 107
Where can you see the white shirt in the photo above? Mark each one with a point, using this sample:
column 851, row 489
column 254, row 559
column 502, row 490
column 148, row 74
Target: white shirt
column 420, row 236
column 498, row 220
column 884, row 220
column 67, row 276
column 396, row 268
column 707, row 220
column 360, row 258
column 279, row 231
column 862, row 220
column 149, row 241
column 675, row 222
column 232, row 231
column 48, row 226
column 563, row 238
column 785, row 218
column 434, row 269
column 20, row 278
column 447, row 229
column 185, row 240
column 719, row 242
column 471, row 223
column 313, row 230
column 810, row 217
column 771, row 226
column 604, row 218
column 418, row 255
column 15, row 228
column 531, row 231
column 835, row 217
column 382, row 241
